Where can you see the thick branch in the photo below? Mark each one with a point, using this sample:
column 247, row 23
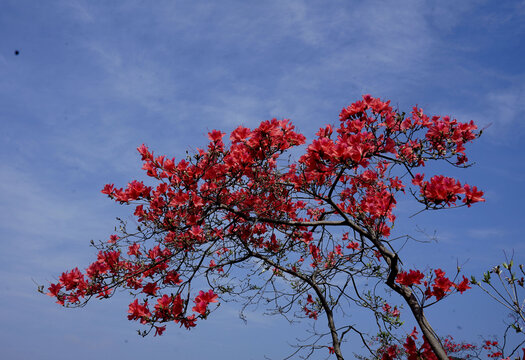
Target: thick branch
column 282, row 222
column 407, row 294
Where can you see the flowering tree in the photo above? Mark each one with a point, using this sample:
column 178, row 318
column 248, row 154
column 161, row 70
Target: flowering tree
column 238, row 222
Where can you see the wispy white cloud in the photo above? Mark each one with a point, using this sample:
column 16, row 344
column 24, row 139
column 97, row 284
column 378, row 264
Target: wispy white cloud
column 140, row 81
column 498, row 110
column 507, row 106
column 42, row 217
column 32, row 208
column 487, row 233
column 78, row 9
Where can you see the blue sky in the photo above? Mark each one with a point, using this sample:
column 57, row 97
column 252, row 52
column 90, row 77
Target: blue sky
column 95, row 79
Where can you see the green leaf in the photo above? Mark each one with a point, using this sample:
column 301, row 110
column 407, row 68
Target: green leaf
column 486, row 278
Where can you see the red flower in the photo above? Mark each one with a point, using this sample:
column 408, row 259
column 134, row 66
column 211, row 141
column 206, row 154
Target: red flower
column 134, row 249
column 200, row 307
column 463, row 286
column 418, row 179
column 202, row 301
column 108, row 189
column 239, row 134
column 159, row 330
column 410, row 278
column 472, row 195
column 54, row 289
column 353, row 245
column 139, row 312
column 144, row 152
column 163, row 302
column 150, row 288
column 310, row 299
column 215, row 135
column 441, row 285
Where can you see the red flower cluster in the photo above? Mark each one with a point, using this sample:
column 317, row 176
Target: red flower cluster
column 438, row 286
column 410, row 278
column 446, row 190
